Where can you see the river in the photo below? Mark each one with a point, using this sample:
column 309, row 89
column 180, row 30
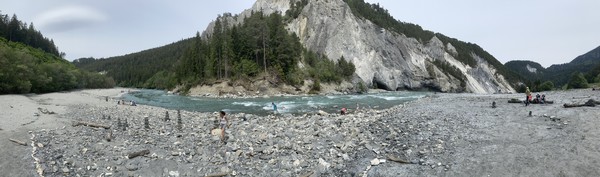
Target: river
column 262, row 106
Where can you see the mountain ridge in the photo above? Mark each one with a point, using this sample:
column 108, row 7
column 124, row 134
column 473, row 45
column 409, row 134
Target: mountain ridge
column 559, row 74
column 387, row 53
column 403, row 66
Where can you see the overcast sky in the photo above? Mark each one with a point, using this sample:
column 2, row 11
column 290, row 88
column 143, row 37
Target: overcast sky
column 545, row 31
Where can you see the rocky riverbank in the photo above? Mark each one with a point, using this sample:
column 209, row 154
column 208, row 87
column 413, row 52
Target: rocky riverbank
column 441, row 135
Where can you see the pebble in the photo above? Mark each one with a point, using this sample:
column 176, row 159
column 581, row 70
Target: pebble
column 174, row 173
column 375, row 161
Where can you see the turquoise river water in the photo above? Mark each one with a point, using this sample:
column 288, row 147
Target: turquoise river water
column 286, row 104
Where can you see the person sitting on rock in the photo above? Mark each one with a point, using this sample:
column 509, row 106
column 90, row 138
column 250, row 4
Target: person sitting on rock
column 223, row 123
column 543, row 99
column 537, row 98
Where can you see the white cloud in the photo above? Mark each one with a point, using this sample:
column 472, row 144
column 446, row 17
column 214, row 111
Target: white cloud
column 69, row 18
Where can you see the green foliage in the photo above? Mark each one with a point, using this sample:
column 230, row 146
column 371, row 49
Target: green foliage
column 243, row 50
column 26, row 70
column 295, row 9
column 577, row 81
column 161, row 80
column 247, row 68
column 17, row 31
column 315, row 87
column 326, row 70
column 588, row 63
column 362, row 88
column 593, row 75
column 345, row 68
column 453, row 71
column 134, row 70
column 546, row 86
column 261, row 46
column 382, row 18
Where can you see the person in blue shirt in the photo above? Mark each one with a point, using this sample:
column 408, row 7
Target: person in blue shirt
column 274, row 108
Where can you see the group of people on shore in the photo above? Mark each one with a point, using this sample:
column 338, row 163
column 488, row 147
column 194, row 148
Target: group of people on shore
column 124, row 102
column 541, row 99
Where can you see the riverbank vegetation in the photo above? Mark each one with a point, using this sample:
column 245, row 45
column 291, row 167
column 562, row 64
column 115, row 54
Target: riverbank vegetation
column 31, row 63
column 260, row 48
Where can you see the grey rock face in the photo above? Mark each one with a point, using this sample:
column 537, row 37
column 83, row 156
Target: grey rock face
column 382, row 58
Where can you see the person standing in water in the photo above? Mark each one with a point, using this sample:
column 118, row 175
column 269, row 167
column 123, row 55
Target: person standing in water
column 274, row 108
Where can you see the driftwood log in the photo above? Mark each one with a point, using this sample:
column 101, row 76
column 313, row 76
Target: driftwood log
column 396, row 159
column 307, row 174
column 139, row 153
column 18, row 142
column 217, row 175
column 532, row 102
column 589, row 103
column 91, row 124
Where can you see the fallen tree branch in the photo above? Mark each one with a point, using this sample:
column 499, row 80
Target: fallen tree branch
column 307, row 174
column 91, row 124
column 217, row 175
column 396, row 159
column 589, row 103
column 18, row 142
column 532, row 102
column 139, row 153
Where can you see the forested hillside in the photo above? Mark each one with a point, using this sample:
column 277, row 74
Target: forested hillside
column 135, row 70
column 560, row 74
column 528, row 69
column 260, row 45
column 25, row 69
column 572, row 75
column 30, row 63
column 15, row 30
column 259, row 48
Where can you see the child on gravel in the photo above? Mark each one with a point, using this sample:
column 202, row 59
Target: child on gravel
column 223, row 123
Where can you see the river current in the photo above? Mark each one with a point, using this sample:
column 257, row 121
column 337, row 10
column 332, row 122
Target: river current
column 296, row 105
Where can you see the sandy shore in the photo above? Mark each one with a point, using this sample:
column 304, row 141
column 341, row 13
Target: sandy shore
column 20, row 115
column 441, row 135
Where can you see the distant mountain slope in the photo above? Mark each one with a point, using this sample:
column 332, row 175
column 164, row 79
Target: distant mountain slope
column 527, row 69
column 387, row 54
column 135, row 69
column 560, row 74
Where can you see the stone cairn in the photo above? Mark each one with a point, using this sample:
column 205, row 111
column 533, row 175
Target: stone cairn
column 125, row 125
column 146, row 122
column 119, row 123
column 179, row 123
column 167, row 116
column 122, row 124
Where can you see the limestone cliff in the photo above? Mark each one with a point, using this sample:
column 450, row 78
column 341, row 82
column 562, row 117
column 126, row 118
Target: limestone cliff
column 382, row 58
